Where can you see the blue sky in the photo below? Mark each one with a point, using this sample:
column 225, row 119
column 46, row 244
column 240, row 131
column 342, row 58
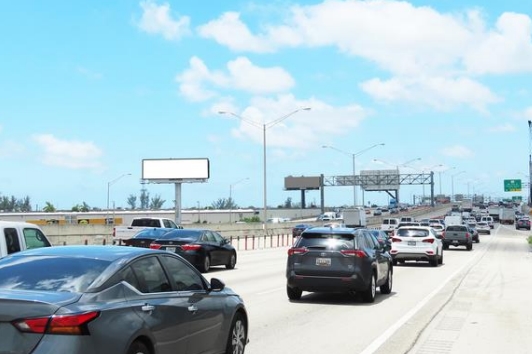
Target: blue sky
column 89, row 89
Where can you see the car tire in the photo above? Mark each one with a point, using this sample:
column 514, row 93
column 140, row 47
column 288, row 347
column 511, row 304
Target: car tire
column 434, row 261
column 205, row 265
column 368, row 295
column 445, row 247
column 440, row 260
column 232, row 261
column 236, row 343
column 293, row 293
column 386, row 288
column 469, row 247
column 394, row 262
column 138, row 347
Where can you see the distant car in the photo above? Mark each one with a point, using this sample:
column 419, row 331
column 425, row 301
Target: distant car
column 394, row 211
column 338, row 260
column 523, row 223
column 377, row 212
column 299, row 228
column 417, row 243
column 201, row 247
column 383, row 238
column 115, row 299
column 145, row 237
column 474, row 232
column 483, row 228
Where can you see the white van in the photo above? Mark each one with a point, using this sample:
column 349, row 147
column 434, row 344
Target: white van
column 488, row 219
column 389, row 224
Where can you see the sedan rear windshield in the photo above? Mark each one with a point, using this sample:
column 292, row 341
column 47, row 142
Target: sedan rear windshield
column 327, row 241
column 412, row 233
column 50, row 273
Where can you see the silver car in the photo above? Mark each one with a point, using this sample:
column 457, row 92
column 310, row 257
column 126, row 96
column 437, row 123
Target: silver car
column 115, row 300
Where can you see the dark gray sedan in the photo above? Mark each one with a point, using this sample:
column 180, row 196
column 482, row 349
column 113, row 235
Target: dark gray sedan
column 114, row 300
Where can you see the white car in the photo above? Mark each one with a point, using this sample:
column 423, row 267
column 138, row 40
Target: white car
column 417, row 243
column 483, row 227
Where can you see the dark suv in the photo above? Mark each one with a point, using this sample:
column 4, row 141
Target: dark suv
column 338, row 259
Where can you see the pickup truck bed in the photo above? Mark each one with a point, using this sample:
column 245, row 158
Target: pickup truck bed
column 457, row 235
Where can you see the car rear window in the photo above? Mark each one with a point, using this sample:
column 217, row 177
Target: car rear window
column 456, row 228
column 326, row 241
column 412, row 233
column 50, row 273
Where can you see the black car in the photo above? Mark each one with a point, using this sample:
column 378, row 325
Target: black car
column 299, row 228
column 145, row 237
column 115, row 299
column 523, row 223
column 338, row 260
column 201, row 247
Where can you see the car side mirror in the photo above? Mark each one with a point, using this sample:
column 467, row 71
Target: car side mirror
column 217, row 285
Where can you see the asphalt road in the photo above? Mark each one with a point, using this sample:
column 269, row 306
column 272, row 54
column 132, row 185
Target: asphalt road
column 476, row 302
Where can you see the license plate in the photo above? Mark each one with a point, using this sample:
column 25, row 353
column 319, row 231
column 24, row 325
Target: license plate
column 455, row 242
column 411, row 243
column 170, row 249
column 326, row 262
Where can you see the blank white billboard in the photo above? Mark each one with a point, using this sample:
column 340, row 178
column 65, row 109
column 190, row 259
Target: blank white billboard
column 175, row 169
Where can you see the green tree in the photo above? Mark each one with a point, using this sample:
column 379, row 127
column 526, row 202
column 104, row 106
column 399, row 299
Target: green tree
column 132, row 201
column 156, row 203
column 223, row 203
column 288, row 203
column 49, row 208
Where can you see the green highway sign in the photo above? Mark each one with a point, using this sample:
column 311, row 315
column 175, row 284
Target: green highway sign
column 517, row 198
column 512, row 185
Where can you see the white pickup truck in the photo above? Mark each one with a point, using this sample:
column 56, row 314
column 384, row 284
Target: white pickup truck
column 18, row 236
column 126, row 232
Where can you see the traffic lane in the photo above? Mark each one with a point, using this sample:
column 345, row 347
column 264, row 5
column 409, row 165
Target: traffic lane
column 429, row 331
column 328, row 322
column 490, row 310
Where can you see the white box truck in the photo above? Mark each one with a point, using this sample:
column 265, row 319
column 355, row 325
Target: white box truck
column 354, row 217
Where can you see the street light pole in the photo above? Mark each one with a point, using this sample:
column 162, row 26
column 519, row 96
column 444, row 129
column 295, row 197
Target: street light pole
column 231, row 198
column 353, row 157
column 110, row 183
column 264, row 127
column 452, row 184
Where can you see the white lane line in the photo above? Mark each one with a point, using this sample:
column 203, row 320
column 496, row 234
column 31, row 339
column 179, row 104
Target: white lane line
column 269, row 291
column 379, row 341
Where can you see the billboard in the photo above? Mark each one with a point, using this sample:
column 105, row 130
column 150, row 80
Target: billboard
column 187, row 169
column 379, row 180
column 298, row 183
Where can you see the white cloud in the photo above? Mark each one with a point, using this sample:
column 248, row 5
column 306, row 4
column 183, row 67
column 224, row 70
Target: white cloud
column 198, row 83
column 229, row 31
column 503, row 128
column 458, row 151
column 439, row 92
column 303, row 129
column 69, row 154
column 156, row 19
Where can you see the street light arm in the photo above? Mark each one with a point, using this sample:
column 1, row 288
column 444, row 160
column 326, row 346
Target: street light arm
column 333, row 148
column 279, row 120
column 249, row 121
column 369, row 148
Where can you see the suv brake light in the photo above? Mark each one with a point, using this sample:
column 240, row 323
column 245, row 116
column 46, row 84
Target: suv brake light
column 64, row 324
column 295, row 250
column 354, row 253
column 396, row 239
column 428, row 240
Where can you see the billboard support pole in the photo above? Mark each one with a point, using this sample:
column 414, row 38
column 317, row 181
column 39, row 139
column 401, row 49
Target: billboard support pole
column 178, row 203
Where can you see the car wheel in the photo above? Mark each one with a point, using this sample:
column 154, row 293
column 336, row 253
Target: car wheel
column 434, row 261
column 232, row 261
column 394, row 262
column 138, row 347
column 237, row 340
column 293, row 293
column 469, row 247
column 386, row 288
column 206, row 265
column 445, row 247
column 369, row 294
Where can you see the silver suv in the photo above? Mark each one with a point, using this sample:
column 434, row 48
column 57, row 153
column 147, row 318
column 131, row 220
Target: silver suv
column 341, row 259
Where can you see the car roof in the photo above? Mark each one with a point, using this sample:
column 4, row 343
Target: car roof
column 330, row 230
column 108, row 253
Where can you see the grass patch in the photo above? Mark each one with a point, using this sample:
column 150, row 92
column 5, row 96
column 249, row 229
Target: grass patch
column 529, row 239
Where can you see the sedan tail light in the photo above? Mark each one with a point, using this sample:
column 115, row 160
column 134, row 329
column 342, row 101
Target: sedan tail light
column 64, row 324
column 190, row 247
column 294, row 250
column 155, row 246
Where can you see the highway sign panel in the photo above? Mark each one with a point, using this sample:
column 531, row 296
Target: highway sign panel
column 512, row 185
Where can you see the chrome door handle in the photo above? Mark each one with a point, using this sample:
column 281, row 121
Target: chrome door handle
column 148, row 308
column 192, row 308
